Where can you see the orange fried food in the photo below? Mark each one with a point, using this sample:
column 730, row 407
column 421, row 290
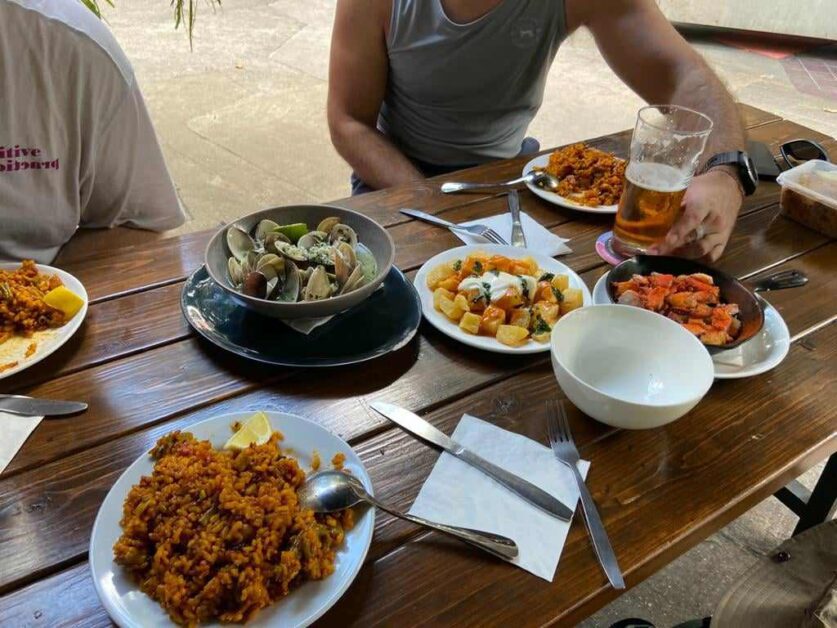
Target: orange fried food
column 691, row 300
column 22, row 307
column 588, row 176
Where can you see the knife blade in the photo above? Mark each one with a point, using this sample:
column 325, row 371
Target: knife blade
column 19, row 404
column 420, row 428
column 517, row 236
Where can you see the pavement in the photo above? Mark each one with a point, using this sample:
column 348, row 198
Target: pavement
column 241, row 119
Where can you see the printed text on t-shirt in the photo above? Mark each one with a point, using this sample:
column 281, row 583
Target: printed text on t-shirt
column 17, row 159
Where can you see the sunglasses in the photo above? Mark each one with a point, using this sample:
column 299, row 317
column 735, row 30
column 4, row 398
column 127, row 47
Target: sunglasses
column 796, row 152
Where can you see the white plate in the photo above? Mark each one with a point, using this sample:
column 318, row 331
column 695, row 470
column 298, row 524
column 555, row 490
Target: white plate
column 49, row 341
column 761, row 353
column 556, row 199
column 128, row 606
column 444, row 324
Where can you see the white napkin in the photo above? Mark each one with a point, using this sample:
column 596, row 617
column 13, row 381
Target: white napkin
column 15, row 429
column 458, row 494
column 307, row 325
column 538, row 238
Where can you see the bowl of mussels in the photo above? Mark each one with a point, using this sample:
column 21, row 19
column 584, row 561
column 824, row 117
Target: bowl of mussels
column 300, row 261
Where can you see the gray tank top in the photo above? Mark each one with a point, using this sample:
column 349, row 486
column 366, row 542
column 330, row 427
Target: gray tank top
column 461, row 94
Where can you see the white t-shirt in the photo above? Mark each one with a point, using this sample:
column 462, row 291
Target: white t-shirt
column 77, row 147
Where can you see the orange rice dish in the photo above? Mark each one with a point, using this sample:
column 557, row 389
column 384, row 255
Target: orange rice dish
column 588, row 176
column 218, row 535
column 22, row 307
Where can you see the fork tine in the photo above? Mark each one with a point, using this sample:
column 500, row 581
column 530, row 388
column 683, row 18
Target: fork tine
column 550, row 422
column 500, row 240
column 489, row 235
column 565, row 424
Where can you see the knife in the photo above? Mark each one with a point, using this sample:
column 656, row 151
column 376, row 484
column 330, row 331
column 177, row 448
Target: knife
column 18, row 404
column 517, row 237
column 423, row 430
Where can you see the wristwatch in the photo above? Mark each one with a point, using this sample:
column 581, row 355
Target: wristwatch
column 743, row 166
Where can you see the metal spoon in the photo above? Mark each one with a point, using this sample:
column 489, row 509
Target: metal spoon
column 535, row 177
column 330, row 491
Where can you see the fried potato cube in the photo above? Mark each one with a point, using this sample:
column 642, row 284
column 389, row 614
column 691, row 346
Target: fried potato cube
column 548, row 312
column 451, row 283
column 545, row 293
column 438, row 275
column 512, row 335
column 511, row 299
column 451, row 309
column 470, row 323
column 462, row 301
column 438, row 293
column 561, row 282
column 491, row 320
column 542, row 336
column 573, row 299
column 520, row 317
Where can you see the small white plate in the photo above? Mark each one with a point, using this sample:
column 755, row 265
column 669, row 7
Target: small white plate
column 130, row 607
column 50, row 340
column 444, row 324
column 761, row 353
column 556, row 199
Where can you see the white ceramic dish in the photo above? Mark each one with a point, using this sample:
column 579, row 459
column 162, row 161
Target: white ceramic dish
column 556, row 199
column 762, row 352
column 129, row 607
column 628, row 367
column 51, row 340
column 443, row 324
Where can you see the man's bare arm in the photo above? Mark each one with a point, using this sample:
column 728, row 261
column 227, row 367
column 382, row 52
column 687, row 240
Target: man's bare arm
column 651, row 57
column 357, row 81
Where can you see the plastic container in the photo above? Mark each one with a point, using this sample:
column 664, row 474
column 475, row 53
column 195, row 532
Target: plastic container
column 809, row 195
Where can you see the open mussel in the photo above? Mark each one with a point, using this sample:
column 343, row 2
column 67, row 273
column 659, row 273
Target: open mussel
column 318, row 287
column 343, row 233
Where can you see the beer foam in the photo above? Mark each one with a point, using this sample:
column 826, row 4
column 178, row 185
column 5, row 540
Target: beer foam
column 657, row 177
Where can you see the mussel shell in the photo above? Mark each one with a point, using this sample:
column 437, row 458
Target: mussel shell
column 343, row 233
column 327, row 224
column 272, row 260
column 272, row 238
column 345, row 262
column 234, row 270
column 290, row 286
column 263, row 228
column 318, row 286
column 291, row 252
column 239, row 242
column 312, row 238
column 355, row 280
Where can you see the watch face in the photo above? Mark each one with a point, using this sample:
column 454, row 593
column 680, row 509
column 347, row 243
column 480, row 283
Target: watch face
column 751, row 169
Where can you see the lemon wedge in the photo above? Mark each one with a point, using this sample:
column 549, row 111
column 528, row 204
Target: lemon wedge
column 256, row 430
column 64, row 300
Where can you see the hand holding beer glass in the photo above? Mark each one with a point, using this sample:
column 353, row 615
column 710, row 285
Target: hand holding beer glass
column 666, row 146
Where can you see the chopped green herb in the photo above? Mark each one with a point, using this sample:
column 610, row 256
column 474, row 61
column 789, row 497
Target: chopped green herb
column 541, row 326
column 547, row 277
column 557, row 293
column 524, row 287
column 477, row 268
column 457, row 265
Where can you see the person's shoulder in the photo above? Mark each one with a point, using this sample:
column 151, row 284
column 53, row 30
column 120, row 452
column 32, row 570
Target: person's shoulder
column 72, row 16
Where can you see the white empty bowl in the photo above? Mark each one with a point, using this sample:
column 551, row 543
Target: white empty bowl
column 628, row 367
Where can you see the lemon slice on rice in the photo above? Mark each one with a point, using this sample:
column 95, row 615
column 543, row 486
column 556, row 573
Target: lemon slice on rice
column 256, row 430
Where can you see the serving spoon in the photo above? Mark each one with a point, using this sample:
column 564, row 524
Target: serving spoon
column 535, row 177
column 331, row 491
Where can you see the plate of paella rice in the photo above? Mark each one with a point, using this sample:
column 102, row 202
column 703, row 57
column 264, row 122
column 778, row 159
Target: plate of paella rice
column 41, row 307
column 205, row 529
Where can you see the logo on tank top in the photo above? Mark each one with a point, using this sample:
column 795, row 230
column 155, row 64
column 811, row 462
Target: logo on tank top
column 526, row 32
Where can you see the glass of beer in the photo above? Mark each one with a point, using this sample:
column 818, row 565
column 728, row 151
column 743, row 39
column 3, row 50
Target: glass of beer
column 666, row 146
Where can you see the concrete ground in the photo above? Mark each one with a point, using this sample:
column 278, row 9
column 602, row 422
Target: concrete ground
column 242, row 122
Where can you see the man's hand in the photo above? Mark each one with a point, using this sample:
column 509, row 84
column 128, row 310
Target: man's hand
column 711, row 207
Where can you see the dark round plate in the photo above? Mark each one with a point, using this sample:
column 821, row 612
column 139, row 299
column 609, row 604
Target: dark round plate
column 384, row 322
column 732, row 290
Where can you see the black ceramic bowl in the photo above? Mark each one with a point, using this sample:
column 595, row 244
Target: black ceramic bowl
column 750, row 312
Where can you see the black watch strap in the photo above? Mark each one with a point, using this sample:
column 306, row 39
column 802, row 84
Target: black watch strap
column 744, row 168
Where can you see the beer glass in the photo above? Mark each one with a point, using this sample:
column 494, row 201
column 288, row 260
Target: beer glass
column 666, row 146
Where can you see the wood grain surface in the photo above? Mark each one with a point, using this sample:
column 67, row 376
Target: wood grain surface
column 144, row 373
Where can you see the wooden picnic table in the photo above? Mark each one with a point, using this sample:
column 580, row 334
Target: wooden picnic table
column 660, row 492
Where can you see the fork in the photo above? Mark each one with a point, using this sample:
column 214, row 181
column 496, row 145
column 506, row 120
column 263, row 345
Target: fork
column 482, row 231
column 563, row 446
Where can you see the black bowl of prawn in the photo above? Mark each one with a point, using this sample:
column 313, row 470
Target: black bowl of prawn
column 749, row 314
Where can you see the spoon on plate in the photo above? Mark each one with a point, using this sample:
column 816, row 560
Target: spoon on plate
column 535, row 177
column 331, row 491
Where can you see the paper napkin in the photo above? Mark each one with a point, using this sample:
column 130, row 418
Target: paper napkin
column 15, row 429
column 458, row 494
column 307, row 325
column 538, row 237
